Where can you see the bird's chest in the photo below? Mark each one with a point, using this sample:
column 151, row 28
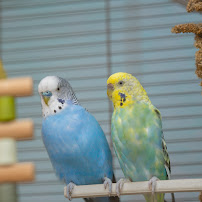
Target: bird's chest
column 131, row 126
column 55, row 107
column 62, row 137
column 136, row 135
column 134, row 132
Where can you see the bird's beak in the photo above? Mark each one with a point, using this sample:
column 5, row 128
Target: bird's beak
column 110, row 89
column 46, row 96
column 46, row 99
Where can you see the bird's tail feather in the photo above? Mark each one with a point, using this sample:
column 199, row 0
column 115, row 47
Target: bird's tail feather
column 102, row 199
column 157, row 197
column 173, row 197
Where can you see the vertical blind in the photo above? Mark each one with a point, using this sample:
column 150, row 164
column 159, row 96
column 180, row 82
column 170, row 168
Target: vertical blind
column 85, row 41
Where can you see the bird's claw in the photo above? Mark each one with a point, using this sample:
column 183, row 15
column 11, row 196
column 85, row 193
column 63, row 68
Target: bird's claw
column 70, row 188
column 119, row 186
column 152, row 184
column 108, row 182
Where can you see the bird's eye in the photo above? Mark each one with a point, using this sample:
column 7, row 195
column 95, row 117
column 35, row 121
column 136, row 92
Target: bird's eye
column 58, row 89
column 121, row 83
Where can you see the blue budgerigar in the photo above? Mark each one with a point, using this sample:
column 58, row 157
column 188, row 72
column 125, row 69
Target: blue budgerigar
column 74, row 140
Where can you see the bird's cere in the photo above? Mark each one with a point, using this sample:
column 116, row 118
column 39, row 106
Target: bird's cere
column 110, row 86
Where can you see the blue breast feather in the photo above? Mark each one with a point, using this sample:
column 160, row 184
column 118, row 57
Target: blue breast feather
column 77, row 146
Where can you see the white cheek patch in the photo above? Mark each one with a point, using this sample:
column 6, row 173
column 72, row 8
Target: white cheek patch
column 54, row 107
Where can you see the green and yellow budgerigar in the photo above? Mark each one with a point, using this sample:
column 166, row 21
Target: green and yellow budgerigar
column 137, row 134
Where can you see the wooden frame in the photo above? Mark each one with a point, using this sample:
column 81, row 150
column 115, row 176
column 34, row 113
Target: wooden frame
column 17, row 129
column 16, row 87
column 19, row 172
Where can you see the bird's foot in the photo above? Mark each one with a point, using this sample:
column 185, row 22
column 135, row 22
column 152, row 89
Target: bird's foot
column 70, row 188
column 108, row 182
column 119, row 185
column 152, row 184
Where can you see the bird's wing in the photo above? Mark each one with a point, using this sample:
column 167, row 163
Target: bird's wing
column 164, row 147
column 166, row 158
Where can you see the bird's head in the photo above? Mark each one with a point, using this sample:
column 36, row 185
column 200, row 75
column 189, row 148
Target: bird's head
column 123, row 89
column 55, row 92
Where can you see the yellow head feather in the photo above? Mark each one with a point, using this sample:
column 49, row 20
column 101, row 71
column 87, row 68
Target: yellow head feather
column 124, row 89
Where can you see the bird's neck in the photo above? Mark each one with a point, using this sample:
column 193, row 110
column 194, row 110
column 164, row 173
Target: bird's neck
column 54, row 106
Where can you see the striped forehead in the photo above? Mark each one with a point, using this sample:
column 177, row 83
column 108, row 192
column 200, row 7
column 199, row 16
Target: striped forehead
column 49, row 83
column 114, row 78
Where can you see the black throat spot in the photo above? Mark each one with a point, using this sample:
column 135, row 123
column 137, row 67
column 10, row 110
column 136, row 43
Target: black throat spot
column 123, row 97
column 61, row 101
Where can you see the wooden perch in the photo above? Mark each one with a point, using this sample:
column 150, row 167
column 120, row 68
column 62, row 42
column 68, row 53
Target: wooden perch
column 16, row 87
column 19, row 172
column 130, row 188
column 18, row 129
